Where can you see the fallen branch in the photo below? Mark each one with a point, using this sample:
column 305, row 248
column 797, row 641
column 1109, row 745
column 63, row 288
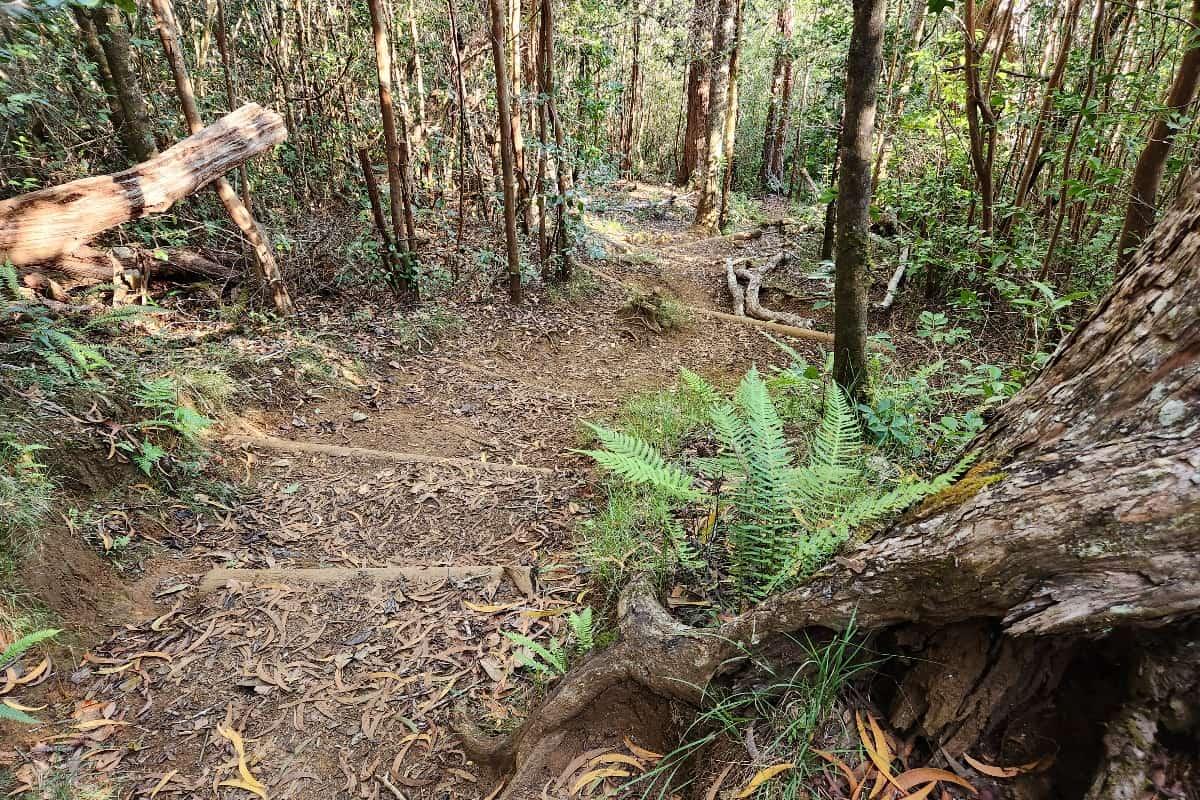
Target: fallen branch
column 747, row 302
column 52, row 224
column 894, row 284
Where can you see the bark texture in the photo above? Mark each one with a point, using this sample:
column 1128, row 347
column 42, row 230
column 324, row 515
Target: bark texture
column 852, row 254
column 708, row 203
column 1081, row 516
column 50, row 224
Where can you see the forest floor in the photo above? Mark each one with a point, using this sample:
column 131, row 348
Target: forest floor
column 458, row 455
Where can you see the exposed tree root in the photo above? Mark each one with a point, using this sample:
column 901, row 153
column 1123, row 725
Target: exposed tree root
column 1081, row 516
column 746, row 301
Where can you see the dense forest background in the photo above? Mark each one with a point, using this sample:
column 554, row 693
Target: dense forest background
column 1004, row 159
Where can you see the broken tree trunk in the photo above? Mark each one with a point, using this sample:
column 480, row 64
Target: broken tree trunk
column 1081, row 517
column 52, row 224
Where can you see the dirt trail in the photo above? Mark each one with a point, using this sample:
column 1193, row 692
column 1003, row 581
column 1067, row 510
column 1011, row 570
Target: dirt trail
column 344, row 690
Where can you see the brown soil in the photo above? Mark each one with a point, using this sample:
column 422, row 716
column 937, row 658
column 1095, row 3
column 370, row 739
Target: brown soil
column 346, row 690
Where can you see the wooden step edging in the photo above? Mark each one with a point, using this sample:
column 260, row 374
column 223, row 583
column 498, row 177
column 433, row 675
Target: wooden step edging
column 220, row 577
column 292, row 446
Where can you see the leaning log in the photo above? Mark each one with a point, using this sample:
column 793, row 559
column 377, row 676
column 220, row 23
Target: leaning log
column 1082, row 517
column 51, row 224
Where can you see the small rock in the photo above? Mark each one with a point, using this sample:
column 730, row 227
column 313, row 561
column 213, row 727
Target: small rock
column 358, row 416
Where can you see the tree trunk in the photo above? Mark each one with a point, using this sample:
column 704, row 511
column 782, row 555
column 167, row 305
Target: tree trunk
column 696, row 90
column 853, row 256
column 264, row 257
column 905, row 73
column 401, row 216
column 634, row 100
column 1148, row 174
column 507, row 179
column 114, row 39
column 50, row 224
column 1033, row 153
column 1081, row 518
column 562, row 173
column 708, row 204
column 368, row 171
column 775, row 131
column 729, row 135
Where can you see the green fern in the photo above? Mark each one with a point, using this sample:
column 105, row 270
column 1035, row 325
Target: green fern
column 549, row 661
column 10, row 655
column 10, row 283
column 638, row 463
column 112, row 317
column 781, row 521
column 582, row 632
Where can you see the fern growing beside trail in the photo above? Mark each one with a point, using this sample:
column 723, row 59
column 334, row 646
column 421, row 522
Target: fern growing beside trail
column 780, row 519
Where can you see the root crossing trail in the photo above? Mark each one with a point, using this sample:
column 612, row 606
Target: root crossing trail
column 343, row 686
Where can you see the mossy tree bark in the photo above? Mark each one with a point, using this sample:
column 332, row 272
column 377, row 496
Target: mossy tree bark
column 852, row 255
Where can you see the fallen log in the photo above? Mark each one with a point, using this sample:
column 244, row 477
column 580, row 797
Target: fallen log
column 1081, row 520
column 746, row 302
column 50, row 226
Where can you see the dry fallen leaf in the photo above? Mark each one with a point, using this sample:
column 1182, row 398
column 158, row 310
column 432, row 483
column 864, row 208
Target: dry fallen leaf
column 915, row 777
column 1007, row 772
column 762, row 776
column 248, row 781
column 641, row 752
column 597, row 775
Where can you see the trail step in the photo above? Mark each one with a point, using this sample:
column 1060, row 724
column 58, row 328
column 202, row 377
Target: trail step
column 292, row 446
column 219, row 578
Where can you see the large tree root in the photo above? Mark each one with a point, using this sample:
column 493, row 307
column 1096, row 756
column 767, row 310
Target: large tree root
column 746, row 300
column 1081, row 517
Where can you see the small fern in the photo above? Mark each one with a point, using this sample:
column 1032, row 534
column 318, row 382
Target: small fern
column 638, row 463
column 781, row 520
column 10, row 282
column 582, row 633
column 549, row 661
column 10, row 655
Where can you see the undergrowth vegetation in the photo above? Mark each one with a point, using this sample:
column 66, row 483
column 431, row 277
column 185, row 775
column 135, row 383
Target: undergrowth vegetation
column 739, row 494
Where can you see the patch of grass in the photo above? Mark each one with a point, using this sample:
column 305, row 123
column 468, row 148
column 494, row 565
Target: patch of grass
column 421, row 328
column 580, row 287
column 25, row 496
column 655, row 309
column 635, row 533
column 795, row 709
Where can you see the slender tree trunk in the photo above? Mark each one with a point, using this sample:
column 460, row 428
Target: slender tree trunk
column 95, row 54
column 1033, row 153
column 918, row 13
column 396, row 188
column 114, row 40
column 981, row 122
column 368, row 171
column 775, row 130
column 633, row 95
column 1096, row 52
column 460, row 90
column 562, row 170
column 708, row 204
column 227, row 72
column 268, row 270
column 854, row 197
column 731, row 117
column 508, row 181
column 1148, row 174
column 696, row 88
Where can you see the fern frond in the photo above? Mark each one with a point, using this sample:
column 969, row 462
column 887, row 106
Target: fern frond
column 115, row 316
column 25, row 643
column 10, row 283
column 635, row 461
column 701, row 389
